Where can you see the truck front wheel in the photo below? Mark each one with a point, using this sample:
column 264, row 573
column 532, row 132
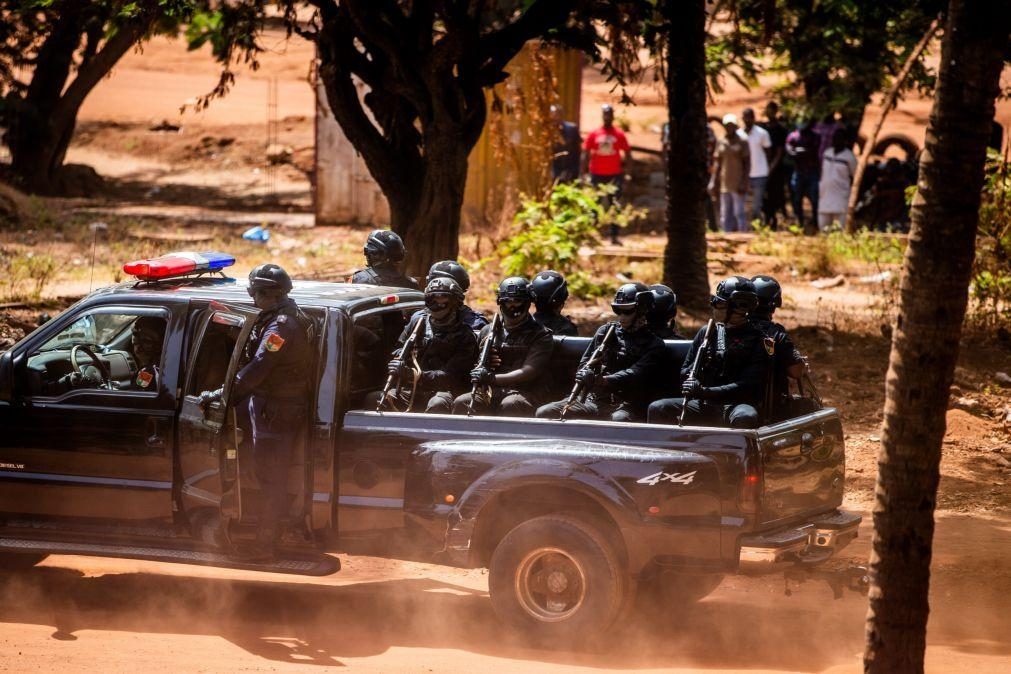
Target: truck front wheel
column 558, row 577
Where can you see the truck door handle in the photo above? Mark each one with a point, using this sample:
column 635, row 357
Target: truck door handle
column 154, row 439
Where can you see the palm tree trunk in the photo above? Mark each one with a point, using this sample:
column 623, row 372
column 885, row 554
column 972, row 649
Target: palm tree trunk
column 684, row 261
column 935, row 280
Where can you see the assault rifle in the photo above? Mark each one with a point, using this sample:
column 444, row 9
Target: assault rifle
column 699, row 362
column 596, row 363
column 410, row 350
column 479, row 392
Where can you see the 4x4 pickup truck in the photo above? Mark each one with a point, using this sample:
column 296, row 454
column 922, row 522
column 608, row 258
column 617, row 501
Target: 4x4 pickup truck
column 570, row 517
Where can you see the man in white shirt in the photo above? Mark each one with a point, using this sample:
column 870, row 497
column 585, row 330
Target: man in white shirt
column 759, row 143
column 838, row 166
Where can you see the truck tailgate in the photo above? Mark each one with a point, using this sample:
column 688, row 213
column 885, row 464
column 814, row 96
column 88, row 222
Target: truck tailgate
column 804, row 466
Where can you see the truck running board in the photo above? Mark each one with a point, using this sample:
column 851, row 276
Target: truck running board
column 293, row 563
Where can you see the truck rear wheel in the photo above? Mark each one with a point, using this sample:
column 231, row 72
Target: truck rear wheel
column 557, row 577
column 12, row 561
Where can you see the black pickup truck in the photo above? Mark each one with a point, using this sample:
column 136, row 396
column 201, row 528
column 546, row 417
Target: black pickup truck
column 570, row 517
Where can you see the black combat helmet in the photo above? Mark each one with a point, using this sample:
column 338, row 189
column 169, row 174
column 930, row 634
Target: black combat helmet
column 665, row 305
column 450, row 269
column 739, row 292
column 770, row 294
column 633, row 295
column 514, row 288
column 384, row 247
column 269, row 277
column 444, row 286
column 549, row 289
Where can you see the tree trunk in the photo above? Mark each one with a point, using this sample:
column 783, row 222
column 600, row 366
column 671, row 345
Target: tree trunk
column 430, row 224
column 936, row 276
column 685, row 255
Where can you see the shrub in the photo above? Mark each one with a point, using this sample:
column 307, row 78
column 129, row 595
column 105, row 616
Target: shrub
column 550, row 234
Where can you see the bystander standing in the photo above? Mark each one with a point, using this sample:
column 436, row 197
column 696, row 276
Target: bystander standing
column 606, row 152
column 759, row 144
column 565, row 152
column 775, row 190
column 802, row 147
column 730, row 175
column 838, row 166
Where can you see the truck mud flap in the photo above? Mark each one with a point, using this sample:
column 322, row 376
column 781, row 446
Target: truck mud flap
column 809, row 543
column 292, row 563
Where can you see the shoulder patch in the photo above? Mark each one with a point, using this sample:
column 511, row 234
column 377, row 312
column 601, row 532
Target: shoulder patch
column 282, row 319
column 144, row 379
column 274, row 342
column 770, row 345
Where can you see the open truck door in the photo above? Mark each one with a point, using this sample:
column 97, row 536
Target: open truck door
column 210, row 439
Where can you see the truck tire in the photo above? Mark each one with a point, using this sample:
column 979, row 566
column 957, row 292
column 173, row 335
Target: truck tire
column 669, row 591
column 12, row 561
column 558, row 578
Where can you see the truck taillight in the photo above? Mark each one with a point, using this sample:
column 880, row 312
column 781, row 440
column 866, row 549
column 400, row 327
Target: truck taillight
column 752, row 486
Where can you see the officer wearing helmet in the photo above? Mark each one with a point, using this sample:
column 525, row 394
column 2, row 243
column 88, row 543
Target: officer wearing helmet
column 454, row 270
column 384, row 254
column 519, row 357
column 619, row 392
column 729, row 388
column 443, row 355
column 788, row 363
column 549, row 291
column 661, row 319
column 271, row 392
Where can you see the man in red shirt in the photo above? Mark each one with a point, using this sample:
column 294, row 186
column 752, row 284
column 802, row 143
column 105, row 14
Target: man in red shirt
column 606, row 152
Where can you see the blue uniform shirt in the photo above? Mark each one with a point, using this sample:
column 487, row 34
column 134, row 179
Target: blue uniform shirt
column 278, row 356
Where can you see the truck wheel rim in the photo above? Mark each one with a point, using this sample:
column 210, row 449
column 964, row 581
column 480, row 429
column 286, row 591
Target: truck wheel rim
column 550, row 584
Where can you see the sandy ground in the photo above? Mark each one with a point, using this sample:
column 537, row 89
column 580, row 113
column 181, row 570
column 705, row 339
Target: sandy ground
column 85, row 614
column 99, row 615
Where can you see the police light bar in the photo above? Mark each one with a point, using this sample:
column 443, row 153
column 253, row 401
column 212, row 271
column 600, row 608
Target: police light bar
column 178, row 264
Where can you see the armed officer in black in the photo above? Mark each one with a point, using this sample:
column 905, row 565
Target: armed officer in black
column 662, row 318
column 788, row 363
column 384, row 254
column 454, row 270
column 513, row 382
column 272, row 390
column 618, row 390
column 728, row 389
column 437, row 369
column 550, row 291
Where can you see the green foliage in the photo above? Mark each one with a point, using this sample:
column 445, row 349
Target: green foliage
column 991, row 279
column 26, row 275
column 829, row 254
column 551, row 232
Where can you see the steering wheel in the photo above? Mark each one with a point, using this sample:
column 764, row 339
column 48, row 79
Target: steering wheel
column 104, row 375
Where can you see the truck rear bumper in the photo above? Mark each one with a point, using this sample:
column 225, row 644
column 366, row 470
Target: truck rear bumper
column 807, row 543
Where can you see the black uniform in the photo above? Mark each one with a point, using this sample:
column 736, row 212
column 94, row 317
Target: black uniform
column 557, row 324
column 271, row 392
column 472, row 319
column 785, row 356
column 445, row 354
column 528, row 344
column 620, row 393
column 384, row 275
column 733, row 380
column 148, row 379
column 666, row 332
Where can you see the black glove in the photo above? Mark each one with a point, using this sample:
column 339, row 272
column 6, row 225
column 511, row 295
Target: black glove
column 691, row 389
column 481, row 376
column 395, row 368
column 208, row 397
column 586, row 377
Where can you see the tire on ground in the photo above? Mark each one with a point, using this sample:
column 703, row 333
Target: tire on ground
column 12, row 561
column 558, row 578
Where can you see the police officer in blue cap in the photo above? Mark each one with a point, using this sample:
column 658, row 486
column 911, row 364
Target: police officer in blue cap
column 272, row 388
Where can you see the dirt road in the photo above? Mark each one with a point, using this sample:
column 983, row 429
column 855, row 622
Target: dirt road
column 101, row 615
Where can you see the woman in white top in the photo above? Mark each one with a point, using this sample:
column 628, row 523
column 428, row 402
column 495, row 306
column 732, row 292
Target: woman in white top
column 838, row 165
